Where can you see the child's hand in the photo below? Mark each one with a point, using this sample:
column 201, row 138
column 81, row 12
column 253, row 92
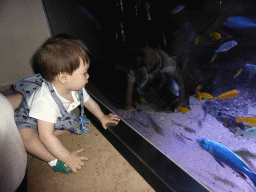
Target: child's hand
column 126, row 113
column 75, row 161
column 109, row 119
column 168, row 69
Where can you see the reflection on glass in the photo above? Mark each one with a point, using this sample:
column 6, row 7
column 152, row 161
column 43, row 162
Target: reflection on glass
column 186, row 79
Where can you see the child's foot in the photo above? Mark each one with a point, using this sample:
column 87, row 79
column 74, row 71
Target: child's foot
column 60, row 167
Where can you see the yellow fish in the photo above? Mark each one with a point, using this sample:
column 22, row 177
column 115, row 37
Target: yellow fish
column 183, row 109
column 165, row 41
column 198, row 95
column 199, row 87
column 174, row 57
column 227, row 95
column 206, row 95
column 238, row 72
column 142, row 99
column 215, row 35
column 197, row 40
column 251, row 121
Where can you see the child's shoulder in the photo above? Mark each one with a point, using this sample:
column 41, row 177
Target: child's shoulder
column 43, row 106
column 42, row 95
column 43, row 91
column 163, row 53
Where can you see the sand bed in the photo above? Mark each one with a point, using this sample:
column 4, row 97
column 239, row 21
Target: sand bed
column 181, row 146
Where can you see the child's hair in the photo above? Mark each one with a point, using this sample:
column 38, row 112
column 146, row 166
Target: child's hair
column 61, row 54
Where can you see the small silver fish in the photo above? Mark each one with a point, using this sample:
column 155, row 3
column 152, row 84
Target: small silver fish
column 251, row 69
column 173, row 86
column 143, row 83
column 177, row 9
column 155, row 125
column 139, row 122
column 191, row 32
column 178, row 137
column 185, row 137
column 188, row 129
column 224, row 48
column 250, row 132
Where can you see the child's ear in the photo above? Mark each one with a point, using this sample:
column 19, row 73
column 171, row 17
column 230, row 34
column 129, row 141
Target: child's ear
column 62, row 78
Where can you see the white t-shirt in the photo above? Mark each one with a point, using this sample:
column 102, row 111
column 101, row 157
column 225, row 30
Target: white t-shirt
column 169, row 65
column 42, row 106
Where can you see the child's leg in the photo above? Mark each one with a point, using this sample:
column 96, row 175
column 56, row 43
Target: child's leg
column 34, row 145
column 59, row 132
column 15, row 100
column 36, row 148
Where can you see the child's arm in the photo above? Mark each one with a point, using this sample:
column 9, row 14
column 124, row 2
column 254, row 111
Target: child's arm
column 94, row 108
column 128, row 109
column 129, row 95
column 181, row 99
column 55, row 147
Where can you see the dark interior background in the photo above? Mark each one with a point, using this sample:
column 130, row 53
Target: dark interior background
column 110, row 28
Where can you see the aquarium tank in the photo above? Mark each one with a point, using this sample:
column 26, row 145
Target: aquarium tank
column 182, row 74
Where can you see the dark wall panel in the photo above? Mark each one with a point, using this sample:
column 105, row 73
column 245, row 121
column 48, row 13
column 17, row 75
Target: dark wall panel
column 90, row 21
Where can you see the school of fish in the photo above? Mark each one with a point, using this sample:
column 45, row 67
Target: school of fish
column 220, row 153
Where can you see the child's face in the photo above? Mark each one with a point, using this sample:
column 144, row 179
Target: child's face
column 79, row 77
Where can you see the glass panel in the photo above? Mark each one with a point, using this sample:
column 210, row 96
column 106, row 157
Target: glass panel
column 183, row 77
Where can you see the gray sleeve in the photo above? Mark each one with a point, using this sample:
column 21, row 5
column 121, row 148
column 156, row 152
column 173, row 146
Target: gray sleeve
column 13, row 156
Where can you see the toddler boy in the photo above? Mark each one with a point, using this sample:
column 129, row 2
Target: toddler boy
column 49, row 99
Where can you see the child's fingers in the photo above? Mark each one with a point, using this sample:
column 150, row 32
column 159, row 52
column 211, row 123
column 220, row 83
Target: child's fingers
column 84, row 158
column 80, row 165
column 115, row 117
column 74, row 170
column 80, row 150
column 104, row 126
column 114, row 122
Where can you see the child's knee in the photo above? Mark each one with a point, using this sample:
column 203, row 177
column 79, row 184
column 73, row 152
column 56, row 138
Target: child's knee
column 27, row 135
column 15, row 100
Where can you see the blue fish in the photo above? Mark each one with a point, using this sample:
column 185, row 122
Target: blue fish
column 251, row 69
column 143, row 83
column 177, row 9
column 224, row 48
column 224, row 156
column 87, row 13
column 172, row 85
column 191, row 31
column 239, row 22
